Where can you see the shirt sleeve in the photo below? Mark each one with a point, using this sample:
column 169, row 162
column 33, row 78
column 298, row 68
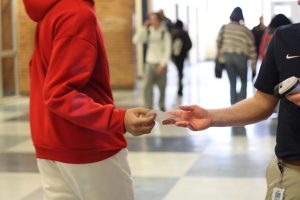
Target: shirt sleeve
column 71, row 65
column 167, row 49
column 140, row 36
column 220, row 38
column 268, row 76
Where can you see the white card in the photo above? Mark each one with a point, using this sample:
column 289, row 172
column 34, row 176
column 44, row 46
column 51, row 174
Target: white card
column 161, row 116
column 277, row 194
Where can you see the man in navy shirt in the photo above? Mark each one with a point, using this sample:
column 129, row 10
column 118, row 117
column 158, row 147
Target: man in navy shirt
column 282, row 61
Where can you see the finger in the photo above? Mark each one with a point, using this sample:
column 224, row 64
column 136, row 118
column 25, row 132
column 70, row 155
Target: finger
column 143, row 131
column 145, row 126
column 176, row 113
column 168, row 121
column 147, row 129
column 150, row 113
column 293, row 97
column 151, row 116
column 144, row 120
column 152, row 123
column 182, row 124
column 187, row 108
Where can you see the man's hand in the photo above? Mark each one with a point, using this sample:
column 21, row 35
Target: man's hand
column 137, row 122
column 160, row 70
column 295, row 98
column 192, row 117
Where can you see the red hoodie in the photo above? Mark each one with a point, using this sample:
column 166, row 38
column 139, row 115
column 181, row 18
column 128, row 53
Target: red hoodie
column 72, row 115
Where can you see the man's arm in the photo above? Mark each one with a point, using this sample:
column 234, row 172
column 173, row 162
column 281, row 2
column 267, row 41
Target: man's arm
column 72, row 63
column 248, row 111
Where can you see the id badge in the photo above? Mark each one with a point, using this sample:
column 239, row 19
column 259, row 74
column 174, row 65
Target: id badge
column 278, row 194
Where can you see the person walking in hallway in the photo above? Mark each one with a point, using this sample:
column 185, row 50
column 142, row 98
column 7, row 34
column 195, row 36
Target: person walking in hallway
column 258, row 32
column 166, row 22
column 280, row 63
column 158, row 39
column 77, row 131
column 276, row 22
column 235, row 45
column 181, row 44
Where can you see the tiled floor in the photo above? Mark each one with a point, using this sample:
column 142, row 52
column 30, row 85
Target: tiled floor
column 171, row 163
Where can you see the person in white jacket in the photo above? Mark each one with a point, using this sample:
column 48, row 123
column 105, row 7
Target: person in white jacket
column 158, row 40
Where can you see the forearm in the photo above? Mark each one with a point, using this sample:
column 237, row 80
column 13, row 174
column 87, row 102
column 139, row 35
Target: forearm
column 248, row 111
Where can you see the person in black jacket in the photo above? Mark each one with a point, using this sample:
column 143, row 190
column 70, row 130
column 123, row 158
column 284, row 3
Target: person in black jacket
column 258, row 32
column 181, row 44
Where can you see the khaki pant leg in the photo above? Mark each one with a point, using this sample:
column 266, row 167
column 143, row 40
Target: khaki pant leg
column 162, row 82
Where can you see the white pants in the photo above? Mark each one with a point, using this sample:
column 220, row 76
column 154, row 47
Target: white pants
column 109, row 179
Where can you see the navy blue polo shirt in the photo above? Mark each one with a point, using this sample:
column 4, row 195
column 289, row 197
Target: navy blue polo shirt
column 281, row 62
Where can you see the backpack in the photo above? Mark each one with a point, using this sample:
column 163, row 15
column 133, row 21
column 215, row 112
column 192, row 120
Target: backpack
column 181, row 44
column 177, row 47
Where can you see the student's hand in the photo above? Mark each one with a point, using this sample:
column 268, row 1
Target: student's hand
column 192, row 117
column 294, row 98
column 137, row 122
column 160, row 70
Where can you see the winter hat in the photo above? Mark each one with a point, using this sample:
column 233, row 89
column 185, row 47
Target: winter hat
column 237, row 15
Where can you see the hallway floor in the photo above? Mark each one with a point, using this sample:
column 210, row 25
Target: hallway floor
column 169, row 164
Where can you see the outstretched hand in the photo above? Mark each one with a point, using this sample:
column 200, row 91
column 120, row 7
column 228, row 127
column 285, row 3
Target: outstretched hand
column 192, row 117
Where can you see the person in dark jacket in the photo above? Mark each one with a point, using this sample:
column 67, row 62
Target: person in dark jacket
column 258, row 32
column 181, row 44
column 276, row 22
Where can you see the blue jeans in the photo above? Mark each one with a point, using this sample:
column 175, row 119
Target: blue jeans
column 236, row 67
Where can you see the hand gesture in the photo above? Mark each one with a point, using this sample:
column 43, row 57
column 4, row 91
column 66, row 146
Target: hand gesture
column 137, row 122
column 192, row 117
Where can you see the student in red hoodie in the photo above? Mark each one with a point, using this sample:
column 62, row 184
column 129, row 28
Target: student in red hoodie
column 77, row 131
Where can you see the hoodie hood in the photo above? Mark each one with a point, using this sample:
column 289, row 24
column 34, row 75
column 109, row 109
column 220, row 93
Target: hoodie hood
column 37, row 9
